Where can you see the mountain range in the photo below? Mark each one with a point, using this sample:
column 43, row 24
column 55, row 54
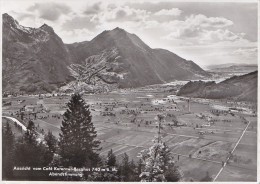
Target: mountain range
column 37, row 60
column 239, row 88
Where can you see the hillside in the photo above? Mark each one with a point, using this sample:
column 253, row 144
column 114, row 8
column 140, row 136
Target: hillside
column 240, row 88
column 138, row 64
column 37, row 60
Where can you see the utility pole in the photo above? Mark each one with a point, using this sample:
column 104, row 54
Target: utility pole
column 160, row 118
column 189, row 104
column 159, row 131
column 188, row 101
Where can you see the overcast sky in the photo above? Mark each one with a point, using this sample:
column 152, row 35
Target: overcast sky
column 205, row 32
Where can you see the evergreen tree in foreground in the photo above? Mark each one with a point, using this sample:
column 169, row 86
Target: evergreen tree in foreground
column 51, row 147
column 111, row 159
column 28, row 151
column 77, row 143
column 159, row 164
column 7, row 151
column 30, row 135
column 158, row 161
column 108, row 164
column 127, row 169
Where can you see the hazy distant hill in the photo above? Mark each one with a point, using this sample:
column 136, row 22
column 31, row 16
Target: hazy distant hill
column 36, row 59
column 233, row 67
column 241, row 88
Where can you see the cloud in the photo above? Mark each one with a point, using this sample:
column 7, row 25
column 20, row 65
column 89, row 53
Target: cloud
column 151, row 24
column 214, row 38
column 77, row 35
column 200, row 29
column 207, row 22
column 220, row 35
column 169, row 12
column 100, row 16
column 124, row 13
column 50, row 11
column 121, row 14
column 20, row 16
column 152, row 6
column 23, row 16
column 80, row 22
column 94, row 9
column 197, row 22
column 184, row 33
column 111, row 6
column 246, row 52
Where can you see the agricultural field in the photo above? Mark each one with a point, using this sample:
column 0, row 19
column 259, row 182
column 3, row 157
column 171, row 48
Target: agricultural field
column 202, row 134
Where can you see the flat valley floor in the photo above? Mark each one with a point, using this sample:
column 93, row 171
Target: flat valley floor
column 214, row 137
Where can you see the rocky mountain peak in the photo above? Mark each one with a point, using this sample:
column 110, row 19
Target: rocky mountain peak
column 8, row 20
column 7, row 17
column 35, row 59
column 115, row 33
column 47, row 28
column 118, row 29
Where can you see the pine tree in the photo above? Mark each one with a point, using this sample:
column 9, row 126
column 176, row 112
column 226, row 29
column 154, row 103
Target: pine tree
column 157, row 160
column 78, row 144
column 108, row 164
column 29, row 151
column 153, row 170
column 31, row 134
column 51, row 142
column 159, row 164
column 173, row 173
column 134, row 176
column 167, row 157
column 51, row 146
column 139, row 166
column 127, row 169
column 124, row 168
column 8, row 142
column 111, row 159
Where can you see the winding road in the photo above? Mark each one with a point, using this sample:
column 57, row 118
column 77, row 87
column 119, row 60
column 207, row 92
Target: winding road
column 16, row 121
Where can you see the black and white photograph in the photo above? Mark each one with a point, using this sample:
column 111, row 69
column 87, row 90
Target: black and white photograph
column 129, row 91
